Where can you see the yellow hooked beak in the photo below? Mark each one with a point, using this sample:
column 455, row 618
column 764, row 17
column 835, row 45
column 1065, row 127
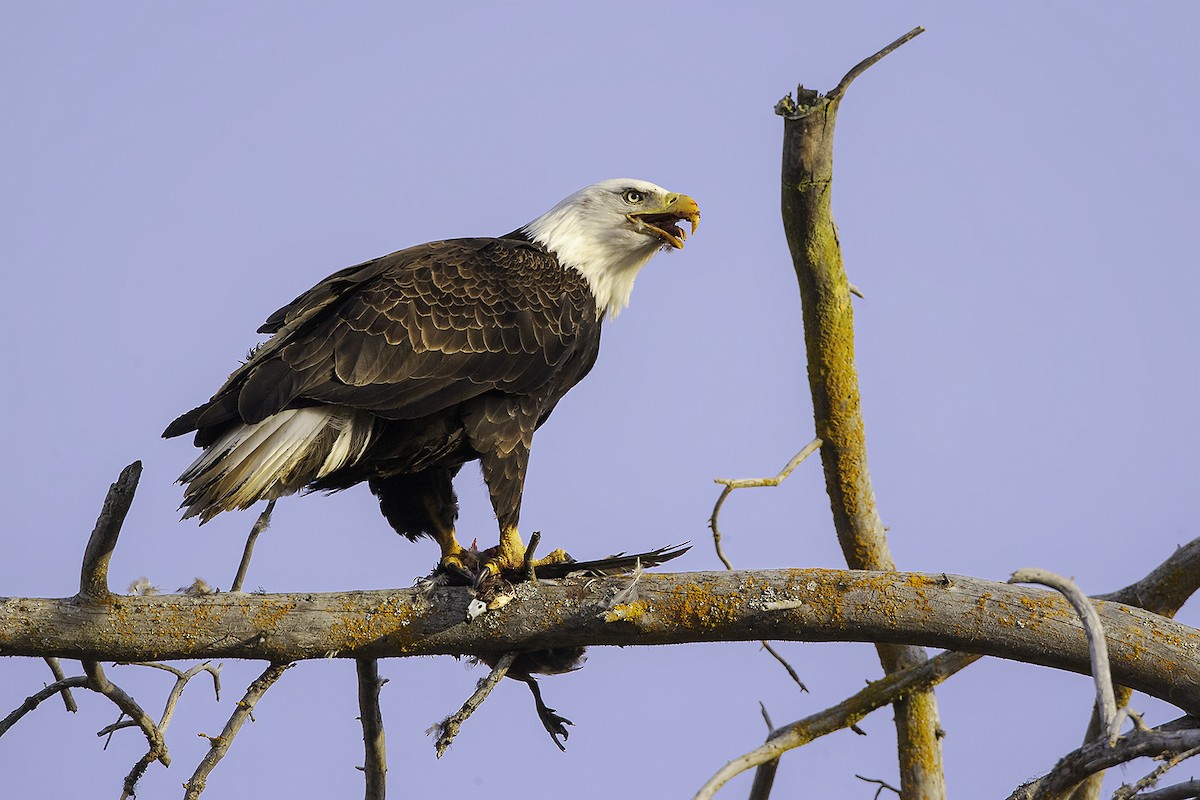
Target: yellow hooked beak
column 661, row 221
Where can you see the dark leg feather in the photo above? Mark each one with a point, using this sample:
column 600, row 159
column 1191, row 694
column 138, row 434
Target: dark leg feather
column 420, row 504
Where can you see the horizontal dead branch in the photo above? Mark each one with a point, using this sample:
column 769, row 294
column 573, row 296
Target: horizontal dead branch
column 1149, row 653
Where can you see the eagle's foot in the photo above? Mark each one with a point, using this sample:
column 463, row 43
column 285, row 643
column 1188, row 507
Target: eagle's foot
column 515, row 566
column 459, row 564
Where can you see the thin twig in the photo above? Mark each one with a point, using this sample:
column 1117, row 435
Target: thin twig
column 219, row 745
column 181, row 681
column 448, row 728
column 375, row 760
column 882, row 785
column 99, row 682
column 1097, row 646
column 1126, row 792
column 795, row 676
column 261, row 524
column 764, row 776
column 745, row 483
column 59, row 675
column 36, row 698
column 870, row 61
column 93, row 575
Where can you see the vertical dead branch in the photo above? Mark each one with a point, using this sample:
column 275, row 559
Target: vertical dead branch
column 807, row 181
column 374, row 745
column 93, row 575
column 261, row 524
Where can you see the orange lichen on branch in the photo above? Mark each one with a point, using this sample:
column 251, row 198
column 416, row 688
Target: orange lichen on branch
column 388, row 621
column 627, row 612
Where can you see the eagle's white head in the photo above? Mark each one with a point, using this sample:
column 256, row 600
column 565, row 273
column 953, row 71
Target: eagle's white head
column 609, row 231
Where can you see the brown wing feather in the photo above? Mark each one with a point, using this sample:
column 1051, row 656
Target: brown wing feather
column 412, row 333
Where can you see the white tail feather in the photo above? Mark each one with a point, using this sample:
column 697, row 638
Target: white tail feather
column 272, row 458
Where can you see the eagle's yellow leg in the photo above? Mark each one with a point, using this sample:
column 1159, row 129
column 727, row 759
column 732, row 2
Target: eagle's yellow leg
column 454, row 555
column 510, row 555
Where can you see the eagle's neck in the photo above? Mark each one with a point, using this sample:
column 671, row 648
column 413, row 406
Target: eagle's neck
column 609, row 259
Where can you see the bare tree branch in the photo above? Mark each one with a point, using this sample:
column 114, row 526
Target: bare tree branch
column 36, row 698
column 1163, row 591
column 219, row 745
column 1148, row 653
column 448, row 728
column 1166, row 600
column 1097, row 756
column 369, row 712
column 1097, row 647
column 870, row 61
column 261, row 524
column 181, row 680
column 57, row 670
column 880, row 693
column 746, row 483
column 1180, row 791
column 882, row 785
column 764, row 776
column 99, row 682
column 93, row 575
column 828, row 314
column 1168, row 587
column 1126, row 792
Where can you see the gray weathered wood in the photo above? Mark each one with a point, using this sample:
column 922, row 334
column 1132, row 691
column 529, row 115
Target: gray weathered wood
column 1150, row 653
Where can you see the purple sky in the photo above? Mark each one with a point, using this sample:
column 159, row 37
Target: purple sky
column 1015, row 193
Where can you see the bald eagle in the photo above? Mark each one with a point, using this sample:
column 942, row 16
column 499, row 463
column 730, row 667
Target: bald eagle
column 400, row 370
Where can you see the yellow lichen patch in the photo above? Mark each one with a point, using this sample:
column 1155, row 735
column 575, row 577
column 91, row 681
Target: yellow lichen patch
column 180, row 623
column 700, row 606
column 919, row 581
column 268, row 612
column 390, row 621
column 627, row 612
column 1042, row 601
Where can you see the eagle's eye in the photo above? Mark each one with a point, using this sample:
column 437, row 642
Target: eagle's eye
column 633, row 196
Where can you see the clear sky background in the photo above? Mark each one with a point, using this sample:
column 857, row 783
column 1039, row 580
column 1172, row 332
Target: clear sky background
column 1016, row 195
